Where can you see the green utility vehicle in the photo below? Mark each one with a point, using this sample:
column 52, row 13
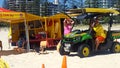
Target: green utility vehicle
column 83, row 41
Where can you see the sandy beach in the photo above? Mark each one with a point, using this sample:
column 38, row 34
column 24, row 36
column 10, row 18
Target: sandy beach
column 53, row 59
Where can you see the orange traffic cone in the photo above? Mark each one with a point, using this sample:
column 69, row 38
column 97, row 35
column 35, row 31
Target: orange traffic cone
column 64, row 62
column 43, row 66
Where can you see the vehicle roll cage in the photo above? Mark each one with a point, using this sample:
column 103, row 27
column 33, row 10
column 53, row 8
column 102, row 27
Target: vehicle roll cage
column 87, row 13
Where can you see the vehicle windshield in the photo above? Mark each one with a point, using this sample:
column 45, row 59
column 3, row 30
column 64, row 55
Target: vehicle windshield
column 82, row 22
column 83, row 17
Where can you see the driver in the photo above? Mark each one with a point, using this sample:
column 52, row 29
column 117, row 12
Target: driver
column 100, row 34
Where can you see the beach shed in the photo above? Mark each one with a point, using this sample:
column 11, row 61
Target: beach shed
column 22, row 18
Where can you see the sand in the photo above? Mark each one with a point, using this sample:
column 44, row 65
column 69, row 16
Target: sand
column 53, row 59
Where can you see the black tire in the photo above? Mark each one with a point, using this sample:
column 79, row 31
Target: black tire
column 84, row 51
column 115, row 47
column 62, row 51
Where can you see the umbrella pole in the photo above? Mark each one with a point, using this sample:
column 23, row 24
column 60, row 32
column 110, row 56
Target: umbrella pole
column 27, row 35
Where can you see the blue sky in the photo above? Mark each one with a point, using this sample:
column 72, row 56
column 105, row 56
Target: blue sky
column 51, row 0
column 1, row 2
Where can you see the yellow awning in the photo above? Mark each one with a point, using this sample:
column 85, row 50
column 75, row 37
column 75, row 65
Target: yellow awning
column 59, row 15
column 16, row 17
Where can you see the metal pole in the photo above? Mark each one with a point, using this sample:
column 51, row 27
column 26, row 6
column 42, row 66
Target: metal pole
column 27, row 34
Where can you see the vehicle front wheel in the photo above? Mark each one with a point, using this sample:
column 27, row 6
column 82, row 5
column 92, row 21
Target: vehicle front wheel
column 115, row 47
column 84, row 50
column 62, row 51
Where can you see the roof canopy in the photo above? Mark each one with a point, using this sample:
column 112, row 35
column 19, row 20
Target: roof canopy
column 75, row 12
column 16, row 17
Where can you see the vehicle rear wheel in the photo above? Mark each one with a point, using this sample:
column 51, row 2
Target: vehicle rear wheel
column 62, row 51
column 115, row 47
column 84, row 50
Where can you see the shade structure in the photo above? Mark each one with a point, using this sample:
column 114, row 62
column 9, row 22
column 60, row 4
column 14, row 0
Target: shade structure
column 79, row 11
column 101, row 10
column 17, row 17
column 59, row 15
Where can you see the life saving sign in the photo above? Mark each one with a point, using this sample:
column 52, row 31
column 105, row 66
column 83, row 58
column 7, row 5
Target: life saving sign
column 9, row 15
